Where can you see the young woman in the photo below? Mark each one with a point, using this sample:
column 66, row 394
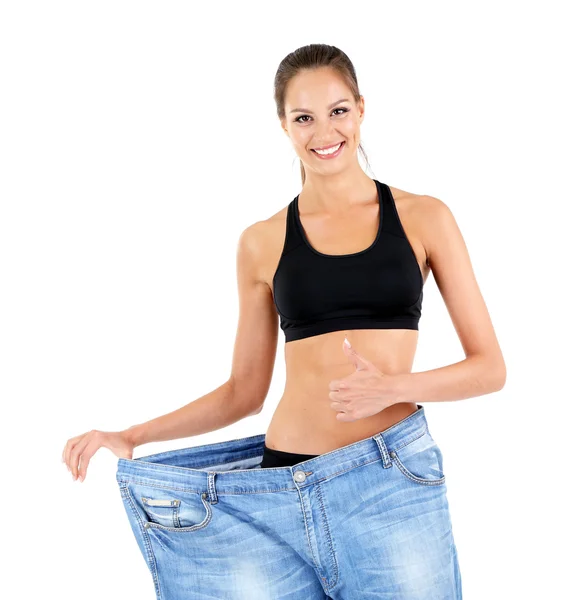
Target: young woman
column 344, row 497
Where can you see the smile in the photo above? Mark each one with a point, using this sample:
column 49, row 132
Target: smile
column 329, row 152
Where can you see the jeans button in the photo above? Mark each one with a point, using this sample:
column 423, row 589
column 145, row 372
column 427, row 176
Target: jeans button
column 299, row 476
column 392, row 454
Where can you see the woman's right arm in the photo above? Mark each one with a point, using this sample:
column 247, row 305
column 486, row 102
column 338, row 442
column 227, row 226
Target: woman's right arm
column 242, row 395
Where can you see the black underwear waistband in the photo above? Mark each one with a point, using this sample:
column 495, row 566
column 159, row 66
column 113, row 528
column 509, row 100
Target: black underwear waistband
column 278, row 458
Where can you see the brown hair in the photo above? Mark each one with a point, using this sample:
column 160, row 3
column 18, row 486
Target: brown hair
column 314, row 56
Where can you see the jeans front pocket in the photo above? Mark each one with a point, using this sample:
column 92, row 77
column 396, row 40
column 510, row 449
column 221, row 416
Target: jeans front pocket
column 164, row 511
column 170, row 509
column 420, row 460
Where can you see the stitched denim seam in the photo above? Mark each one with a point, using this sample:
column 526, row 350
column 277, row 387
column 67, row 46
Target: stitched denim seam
column 289, row 489
column 216, row 446
column 174, row 511
column 155, row 466
column 315, row 561
column 152, row 559
column 403, row 468
column 166, row 527
column 156, row 484
column 329, row 537
column 189, row 490
column 416, row 479
column 190, row 528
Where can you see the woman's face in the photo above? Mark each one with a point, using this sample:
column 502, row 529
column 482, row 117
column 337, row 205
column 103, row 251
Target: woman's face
column 315, row 118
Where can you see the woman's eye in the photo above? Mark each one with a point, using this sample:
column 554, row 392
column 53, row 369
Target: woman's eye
column 307, row 116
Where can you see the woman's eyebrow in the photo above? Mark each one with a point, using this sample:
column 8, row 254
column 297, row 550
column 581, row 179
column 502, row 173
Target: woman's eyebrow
column 330, row 106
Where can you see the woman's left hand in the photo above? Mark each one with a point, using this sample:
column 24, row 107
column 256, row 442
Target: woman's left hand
column 365, row 392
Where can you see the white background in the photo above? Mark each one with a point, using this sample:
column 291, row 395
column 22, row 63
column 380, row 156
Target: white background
column 139, row 139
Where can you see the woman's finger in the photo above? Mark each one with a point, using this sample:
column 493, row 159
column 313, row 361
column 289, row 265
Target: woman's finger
column 69, row 447
column 86, row 456
column 76, row 452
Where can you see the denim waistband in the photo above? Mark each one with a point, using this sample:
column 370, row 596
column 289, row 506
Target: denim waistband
column 230, row 467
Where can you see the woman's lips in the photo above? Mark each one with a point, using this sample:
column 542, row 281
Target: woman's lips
column 328, row 156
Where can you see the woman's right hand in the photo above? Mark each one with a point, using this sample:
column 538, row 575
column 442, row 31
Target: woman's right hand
column 79, row 450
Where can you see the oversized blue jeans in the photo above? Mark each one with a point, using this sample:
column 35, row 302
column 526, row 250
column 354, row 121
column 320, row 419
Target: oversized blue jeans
column 369, row 520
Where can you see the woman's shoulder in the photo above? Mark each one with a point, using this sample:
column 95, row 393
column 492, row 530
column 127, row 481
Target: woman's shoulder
column 263, row 242
column 266, row 231
column 418, row 209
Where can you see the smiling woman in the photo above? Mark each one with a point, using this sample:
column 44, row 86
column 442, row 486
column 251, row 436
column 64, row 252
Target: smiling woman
column 345, row 492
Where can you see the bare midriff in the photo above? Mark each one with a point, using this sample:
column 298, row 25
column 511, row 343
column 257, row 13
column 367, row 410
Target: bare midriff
column 304, row 421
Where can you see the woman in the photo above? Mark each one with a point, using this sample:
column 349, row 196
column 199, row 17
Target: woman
column 345, row 494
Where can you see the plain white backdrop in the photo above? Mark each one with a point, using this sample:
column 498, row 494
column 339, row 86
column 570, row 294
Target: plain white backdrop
column 139, row 139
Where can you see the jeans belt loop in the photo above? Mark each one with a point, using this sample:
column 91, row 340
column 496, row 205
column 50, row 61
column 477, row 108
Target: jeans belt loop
column 212, row 496
column 386, row 461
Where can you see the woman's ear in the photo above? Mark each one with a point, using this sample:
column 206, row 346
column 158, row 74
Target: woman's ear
column 361, row 108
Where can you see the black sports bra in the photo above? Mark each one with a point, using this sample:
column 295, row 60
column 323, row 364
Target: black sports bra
column 380, row 287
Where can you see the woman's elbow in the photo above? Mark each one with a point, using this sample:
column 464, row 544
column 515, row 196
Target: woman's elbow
column 498, row 375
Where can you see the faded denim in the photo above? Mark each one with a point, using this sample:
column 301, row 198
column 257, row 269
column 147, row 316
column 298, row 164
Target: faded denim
column 367, row 521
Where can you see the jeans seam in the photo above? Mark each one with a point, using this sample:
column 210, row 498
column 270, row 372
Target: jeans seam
column 416, row 479
column 147, row 542
column 315, row 561
column 319, row 494
column 174, row 511
column 144, row 464
column 289, row 489
column 190, row 528
column 156, row 484
column 214, row 446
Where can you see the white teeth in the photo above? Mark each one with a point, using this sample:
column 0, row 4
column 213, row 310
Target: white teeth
column 329, row 150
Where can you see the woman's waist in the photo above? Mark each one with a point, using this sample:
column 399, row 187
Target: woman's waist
column 308, row 424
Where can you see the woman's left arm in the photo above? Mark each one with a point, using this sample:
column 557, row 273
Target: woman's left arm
column 483, row 370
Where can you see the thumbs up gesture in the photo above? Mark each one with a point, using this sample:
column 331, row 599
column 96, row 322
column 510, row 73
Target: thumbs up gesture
column 364, row 393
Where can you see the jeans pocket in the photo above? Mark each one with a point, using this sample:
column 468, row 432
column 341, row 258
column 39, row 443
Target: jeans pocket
column 170, row 509
column 163, row 511
column 420, row 461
